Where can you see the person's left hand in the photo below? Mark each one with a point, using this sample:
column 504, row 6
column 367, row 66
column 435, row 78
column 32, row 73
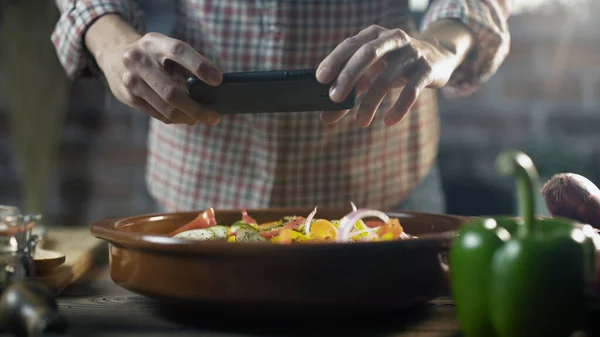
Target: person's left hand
column 378, row 60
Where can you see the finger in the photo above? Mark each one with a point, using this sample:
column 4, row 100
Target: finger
column 174, row 94
column 415, row 85
column 142, row 68
column 364, row 58
column 331, row 117
column 138, row 103
column 143, row 91
column 366, row 80
column 148, row 109
column 332, row 64
column 381, row 86
column 183, row 54
column 364, row 83
column 177, row 72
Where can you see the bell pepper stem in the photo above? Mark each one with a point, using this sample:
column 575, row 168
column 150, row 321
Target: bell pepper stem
column 521, row 167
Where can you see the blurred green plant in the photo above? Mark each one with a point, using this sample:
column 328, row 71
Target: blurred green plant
column 36, row 89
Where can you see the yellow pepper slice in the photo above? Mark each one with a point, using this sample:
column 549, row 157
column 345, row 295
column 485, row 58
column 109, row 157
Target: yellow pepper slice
column 392, row 227
column 287, row 235
column 360, row 226
column 269, row 224
column 322, row 229
column 389, row 236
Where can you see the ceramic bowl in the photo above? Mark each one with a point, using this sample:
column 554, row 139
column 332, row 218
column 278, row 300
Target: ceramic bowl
column 275, row 278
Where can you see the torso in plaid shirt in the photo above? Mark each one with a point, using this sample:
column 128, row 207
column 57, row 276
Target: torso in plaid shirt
column 268, row 160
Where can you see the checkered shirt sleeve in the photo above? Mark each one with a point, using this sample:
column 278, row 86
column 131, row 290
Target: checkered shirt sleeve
column 76, row 17
column 487, row 19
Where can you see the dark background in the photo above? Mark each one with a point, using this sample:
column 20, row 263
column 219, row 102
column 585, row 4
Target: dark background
column 544, row 100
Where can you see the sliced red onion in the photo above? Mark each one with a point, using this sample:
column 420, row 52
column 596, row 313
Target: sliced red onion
column 308, row 221
column 369, row 231
column 347, row 223
column 354, row 210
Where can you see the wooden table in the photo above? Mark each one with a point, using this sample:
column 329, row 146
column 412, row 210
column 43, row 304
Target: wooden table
column 100, row 308
column 95, row 306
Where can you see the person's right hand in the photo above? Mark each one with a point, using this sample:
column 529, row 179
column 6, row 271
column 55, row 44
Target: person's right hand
column 149, row 73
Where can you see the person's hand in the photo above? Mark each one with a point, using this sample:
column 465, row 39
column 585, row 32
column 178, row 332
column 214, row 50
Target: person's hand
column 139, row 76
column 149, row 73
column 379, row 60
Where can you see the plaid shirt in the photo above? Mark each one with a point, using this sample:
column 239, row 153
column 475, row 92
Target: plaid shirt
column 291, row 159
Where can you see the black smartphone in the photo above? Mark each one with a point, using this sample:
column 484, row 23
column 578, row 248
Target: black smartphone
column 267, row 91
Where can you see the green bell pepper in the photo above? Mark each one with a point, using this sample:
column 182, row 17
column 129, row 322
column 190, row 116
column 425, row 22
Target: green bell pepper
column 525, row 276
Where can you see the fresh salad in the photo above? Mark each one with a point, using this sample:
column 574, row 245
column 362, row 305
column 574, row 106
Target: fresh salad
column 296, row 229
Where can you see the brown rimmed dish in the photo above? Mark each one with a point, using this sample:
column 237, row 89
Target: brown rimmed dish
column 243, row 277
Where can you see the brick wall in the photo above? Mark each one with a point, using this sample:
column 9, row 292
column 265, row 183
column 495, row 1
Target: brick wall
column 545, row 99
column 103, row 155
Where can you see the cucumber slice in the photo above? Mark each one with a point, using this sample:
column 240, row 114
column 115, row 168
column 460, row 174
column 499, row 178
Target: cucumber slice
column 197, row 234
column 239, row 224
column 220, row 231
column 248, row 234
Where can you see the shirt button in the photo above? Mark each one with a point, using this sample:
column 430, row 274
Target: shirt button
column 273, row 28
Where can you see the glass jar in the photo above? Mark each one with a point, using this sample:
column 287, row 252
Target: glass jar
column 17, row 245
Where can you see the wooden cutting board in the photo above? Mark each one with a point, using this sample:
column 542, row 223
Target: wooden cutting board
column 81, row 251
